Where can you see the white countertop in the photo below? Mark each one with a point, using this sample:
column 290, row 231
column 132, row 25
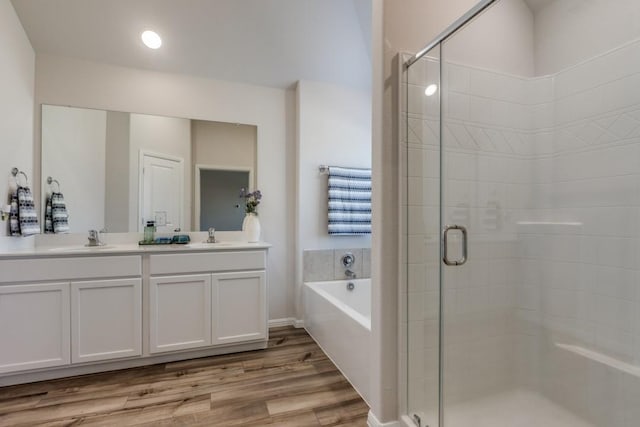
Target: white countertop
column 48, row 247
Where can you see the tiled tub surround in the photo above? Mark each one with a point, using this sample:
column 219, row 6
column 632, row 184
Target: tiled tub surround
column 546, row 174
column 326, row 264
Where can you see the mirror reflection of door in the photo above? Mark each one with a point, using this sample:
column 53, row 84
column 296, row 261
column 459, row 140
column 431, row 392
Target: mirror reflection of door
column 219, row 202
column 161, row 191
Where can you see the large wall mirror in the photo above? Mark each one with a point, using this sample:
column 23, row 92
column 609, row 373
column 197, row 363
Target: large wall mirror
column 118, row 170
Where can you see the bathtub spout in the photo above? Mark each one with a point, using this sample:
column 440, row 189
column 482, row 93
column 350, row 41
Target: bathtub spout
column 349, row 274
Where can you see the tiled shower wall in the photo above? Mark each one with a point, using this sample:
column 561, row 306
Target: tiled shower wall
column 580, row 294
column 546, row 174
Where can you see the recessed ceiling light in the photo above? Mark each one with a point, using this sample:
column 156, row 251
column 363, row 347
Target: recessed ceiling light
column 151, row 39
column 431, row 89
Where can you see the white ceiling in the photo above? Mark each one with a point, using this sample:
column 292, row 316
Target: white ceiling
column 263, row 42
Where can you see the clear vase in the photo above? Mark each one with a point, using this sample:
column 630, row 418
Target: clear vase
column 251, row 227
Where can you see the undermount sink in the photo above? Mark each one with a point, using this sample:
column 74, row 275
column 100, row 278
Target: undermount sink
column 82, row 248
column 207, row 244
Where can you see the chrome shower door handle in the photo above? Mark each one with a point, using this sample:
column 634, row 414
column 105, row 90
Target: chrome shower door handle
column 445, row 248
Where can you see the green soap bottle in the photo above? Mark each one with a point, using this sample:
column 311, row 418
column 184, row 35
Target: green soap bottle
column 149, row 232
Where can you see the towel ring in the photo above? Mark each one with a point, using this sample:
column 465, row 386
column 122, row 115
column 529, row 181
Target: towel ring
column 15, row 172
column 50, row 181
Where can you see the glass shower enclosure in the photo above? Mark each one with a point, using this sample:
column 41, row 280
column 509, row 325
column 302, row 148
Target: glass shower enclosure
column 522, row 141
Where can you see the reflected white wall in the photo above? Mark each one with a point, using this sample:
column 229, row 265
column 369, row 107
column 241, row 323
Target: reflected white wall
column 17, row 76
column 74, row 144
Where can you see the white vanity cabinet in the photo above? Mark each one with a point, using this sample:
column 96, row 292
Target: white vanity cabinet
column 180, row 312
column 97, row 310
column 239, row 306
column 225, row 304
column 56, row 311
column 34, row 326
column 106, row 319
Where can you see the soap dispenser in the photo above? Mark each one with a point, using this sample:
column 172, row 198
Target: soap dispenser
column 149, row 232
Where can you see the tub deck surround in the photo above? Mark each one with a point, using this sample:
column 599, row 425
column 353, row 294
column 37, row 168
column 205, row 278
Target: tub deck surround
column 89, row 310
column 291, row 383
column 339, row 320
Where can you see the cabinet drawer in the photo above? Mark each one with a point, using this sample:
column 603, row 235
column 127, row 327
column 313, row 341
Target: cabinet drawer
column 207, row 261
column 22, row 270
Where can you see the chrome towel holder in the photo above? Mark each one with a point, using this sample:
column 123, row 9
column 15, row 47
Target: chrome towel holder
column 15, row 172
column 51, row 181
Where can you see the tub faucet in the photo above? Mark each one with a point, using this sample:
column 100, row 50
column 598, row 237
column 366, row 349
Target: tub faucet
column 350, row 274
column 94, row 238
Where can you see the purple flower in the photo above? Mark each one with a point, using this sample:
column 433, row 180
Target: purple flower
column 251, row 200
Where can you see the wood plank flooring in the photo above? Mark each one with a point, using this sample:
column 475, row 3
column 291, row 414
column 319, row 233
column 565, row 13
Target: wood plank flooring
column 291, row 383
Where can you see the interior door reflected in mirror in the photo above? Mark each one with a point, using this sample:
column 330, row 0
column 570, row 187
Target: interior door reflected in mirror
column 217, row 197
column 120, row 169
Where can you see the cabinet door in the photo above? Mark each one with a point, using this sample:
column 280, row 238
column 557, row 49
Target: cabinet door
column 180, row 312
column 34, row 326
column 106, row 319
column 239, row 307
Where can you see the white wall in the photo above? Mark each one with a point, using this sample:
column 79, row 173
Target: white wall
column 570, row 31
column 159, row 135
column 503, row 39
column 89, row 84
column 334, row 128
column 16, row 102
column 74, row 145
column 116, row 192
column 224, row 144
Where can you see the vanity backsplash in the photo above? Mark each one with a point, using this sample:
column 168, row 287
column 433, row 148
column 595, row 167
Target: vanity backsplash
column 326, row 264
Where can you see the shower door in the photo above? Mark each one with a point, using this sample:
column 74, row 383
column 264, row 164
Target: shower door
column 421, row 145
column 484, row 185
column 523, row 219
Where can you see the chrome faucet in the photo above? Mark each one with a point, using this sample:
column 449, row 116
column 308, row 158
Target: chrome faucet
column 212, row 235
column 350, row 274
column 94, row 238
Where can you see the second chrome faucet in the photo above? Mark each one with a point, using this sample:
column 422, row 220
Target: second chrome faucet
column 212, row 235
column 94, row 238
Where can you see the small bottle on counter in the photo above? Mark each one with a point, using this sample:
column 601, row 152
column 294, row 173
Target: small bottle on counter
column 149, row 232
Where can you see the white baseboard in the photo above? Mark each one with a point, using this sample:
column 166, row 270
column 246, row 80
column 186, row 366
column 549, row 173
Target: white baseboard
column 286, row 321
column 372, row 421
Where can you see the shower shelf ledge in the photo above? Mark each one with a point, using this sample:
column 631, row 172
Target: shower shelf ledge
column 602, row 358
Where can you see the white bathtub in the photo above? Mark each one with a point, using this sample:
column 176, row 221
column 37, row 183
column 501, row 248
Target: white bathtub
column 339, row 320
